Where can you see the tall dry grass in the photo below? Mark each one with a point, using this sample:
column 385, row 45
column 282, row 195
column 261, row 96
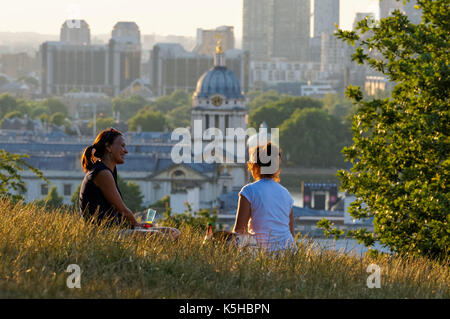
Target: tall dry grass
column 37, row 246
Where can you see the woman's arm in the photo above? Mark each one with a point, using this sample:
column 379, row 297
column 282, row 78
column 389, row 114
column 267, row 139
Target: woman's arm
column 243, row 215
column 291, row 222
column 105, row 181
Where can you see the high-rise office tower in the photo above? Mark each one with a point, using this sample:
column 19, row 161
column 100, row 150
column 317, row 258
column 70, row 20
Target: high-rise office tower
column 258, row 20
column 75, row 32
column 277, row 28
column 291, row 29
column 173, row 68
column 67, row 66
column 325, row 16
column 414, row 15
column 207, row 39
column 124, row 55
column 387, row 6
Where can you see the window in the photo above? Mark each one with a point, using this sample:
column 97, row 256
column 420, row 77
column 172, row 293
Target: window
column 207, row 122
column 178, row 174
column 67, row 189
column 44, row 189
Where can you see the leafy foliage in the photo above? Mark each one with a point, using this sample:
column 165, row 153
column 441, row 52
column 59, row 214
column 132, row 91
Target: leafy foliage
column 132, row 194
column 11, row 183
column 400, row 155
column 147, row 120
column 197, row 220
column 128, row 107
column 52, row 200
column 103, row 123
column 312, row 138
column 275, row 113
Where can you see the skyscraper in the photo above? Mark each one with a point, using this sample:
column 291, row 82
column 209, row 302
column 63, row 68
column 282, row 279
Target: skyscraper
column 277, row 28
column 291, row 29
column 70, row 65
column 325, row 15
column 258, row 21
column 387, row 6
column 75, row 32
column 124, row 55
column 414, row 15
column 173, row 68
column 207, row 39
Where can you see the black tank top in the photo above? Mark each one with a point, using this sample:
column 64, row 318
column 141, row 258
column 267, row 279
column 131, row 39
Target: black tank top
column 92, row 201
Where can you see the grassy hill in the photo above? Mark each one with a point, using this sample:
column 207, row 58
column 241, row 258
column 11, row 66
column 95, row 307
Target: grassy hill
column 37, row 246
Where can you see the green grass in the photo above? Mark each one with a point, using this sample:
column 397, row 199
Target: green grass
column 37, row 246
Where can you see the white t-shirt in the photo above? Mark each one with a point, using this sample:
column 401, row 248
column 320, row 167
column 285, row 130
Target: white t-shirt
column 271, row 206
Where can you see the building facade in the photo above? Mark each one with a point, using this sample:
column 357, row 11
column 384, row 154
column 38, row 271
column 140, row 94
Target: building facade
column 75, row 32
column 173, row 68
column 277, row 28
column 325, row 16
column 207, row 39
column 388, row 6
column 67, row 67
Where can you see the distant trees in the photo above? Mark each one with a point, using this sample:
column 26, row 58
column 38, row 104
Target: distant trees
column 57, row 118
column 128, row 107
column 312, row 138
column 132, row 194
column 147, row 120
column 276, row 112
column 103, row 123
column 50, row 110
column 311, row 135
column 52, row 200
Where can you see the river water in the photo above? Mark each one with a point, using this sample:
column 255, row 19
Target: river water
column 348, row 246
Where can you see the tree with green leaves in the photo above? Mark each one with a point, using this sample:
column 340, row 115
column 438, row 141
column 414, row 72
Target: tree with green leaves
column 7, row 104
column 52, row 200
column 176, row 99
column 179, row 116
column 262, row 99
column 75, row 199
column 103, row 123
column 11, row 183
column 57, row 118
column 400, row 155
column 312, row 138
column 132, row 194
column 129, row 106
column 275, row 113
column 147, row 120
column 56, row 106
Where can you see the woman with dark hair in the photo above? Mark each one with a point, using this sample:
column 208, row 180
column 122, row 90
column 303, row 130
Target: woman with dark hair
column 100, row 197
column 265, row 208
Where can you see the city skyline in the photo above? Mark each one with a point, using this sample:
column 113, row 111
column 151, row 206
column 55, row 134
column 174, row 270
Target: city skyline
column 47, row 16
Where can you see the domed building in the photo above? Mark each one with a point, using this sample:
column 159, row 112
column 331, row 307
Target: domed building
column 218, row 100
column 219, row 103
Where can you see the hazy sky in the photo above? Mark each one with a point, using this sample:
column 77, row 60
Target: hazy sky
column 179, row 17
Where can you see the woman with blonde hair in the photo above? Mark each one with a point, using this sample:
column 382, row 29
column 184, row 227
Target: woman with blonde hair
column 265, row 208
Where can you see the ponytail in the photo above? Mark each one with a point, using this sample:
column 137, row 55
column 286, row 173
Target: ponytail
column 97, row 150
column 87, row 158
